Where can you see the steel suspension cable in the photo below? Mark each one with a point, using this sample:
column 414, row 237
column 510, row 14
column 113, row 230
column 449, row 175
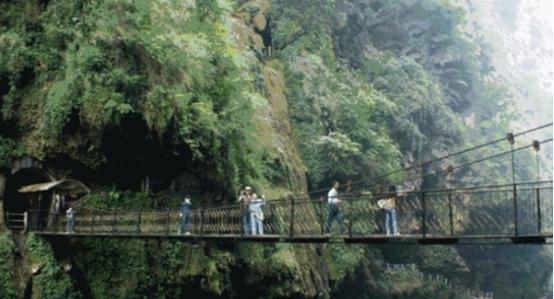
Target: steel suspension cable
column 447, row 156
column 453, row 168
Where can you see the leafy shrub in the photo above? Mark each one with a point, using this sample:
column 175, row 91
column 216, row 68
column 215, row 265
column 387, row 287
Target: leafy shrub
column 51, row 281
column 7, row 266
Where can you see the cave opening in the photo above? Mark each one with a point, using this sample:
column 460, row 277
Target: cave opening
column 138, row 159
column 16, row 202
column 28, row 292
column 4, row 84
column 265, row 33
column 26, row 78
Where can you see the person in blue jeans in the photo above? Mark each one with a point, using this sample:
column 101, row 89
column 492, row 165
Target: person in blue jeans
column 390, row 221
column 70, row 215
column 333, row 202
column 257, row 214
column 388, row 205
column 245, row 198
column 185, row 215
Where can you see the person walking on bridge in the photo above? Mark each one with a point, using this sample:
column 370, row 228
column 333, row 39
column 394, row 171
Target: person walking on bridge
column 245, row 198
column 388, row 205
column 70, row 215
column 185, row 214
column 333, row 202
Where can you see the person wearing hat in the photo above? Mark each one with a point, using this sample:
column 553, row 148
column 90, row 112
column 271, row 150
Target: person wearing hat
column 185, row 213
column 388, row 205
column 70, row 215
column 245, row 198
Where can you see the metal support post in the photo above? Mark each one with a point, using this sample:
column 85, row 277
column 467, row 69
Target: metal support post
column 537, row 147
column 511, row 140
column 424, row 216
column 449, row 179
column 291, row 229
column 321, row 217
column 139, row 220
column 114, row 215
column 450, row 214
column 351, row 218
column 167, row 218
column 202, row 221
column 539, row 220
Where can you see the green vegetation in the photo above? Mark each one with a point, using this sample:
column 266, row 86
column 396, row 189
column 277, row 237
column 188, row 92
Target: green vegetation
column 7, row 268
column 49, row 281
column 129, row 65
column 6, row 152
column 204, row 96
column 159, row 269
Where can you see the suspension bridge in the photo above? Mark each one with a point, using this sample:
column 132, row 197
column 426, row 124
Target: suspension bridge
column 518, row 212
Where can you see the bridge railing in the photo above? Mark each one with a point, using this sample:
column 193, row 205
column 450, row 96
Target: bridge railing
column 507, row 210
column 16, row 221
column 523, row 209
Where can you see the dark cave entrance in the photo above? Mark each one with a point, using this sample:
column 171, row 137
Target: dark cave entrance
column 266, row 35
column 16, row 202
column 28, row 293
column 139, row 160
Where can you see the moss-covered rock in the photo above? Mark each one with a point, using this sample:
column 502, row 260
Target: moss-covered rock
column 8, row 288
column 49, row 279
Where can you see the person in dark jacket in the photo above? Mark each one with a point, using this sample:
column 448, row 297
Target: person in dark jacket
column 245, row 198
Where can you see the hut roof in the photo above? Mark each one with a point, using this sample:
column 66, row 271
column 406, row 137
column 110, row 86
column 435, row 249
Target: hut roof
column 74, row 187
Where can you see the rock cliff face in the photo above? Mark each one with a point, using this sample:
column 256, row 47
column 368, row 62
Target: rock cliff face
column 273, row 128
column 201, row 97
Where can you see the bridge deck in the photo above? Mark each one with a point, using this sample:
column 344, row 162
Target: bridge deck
column 371, row 239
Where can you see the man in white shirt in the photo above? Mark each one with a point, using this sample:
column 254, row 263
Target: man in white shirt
column 333, row 201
